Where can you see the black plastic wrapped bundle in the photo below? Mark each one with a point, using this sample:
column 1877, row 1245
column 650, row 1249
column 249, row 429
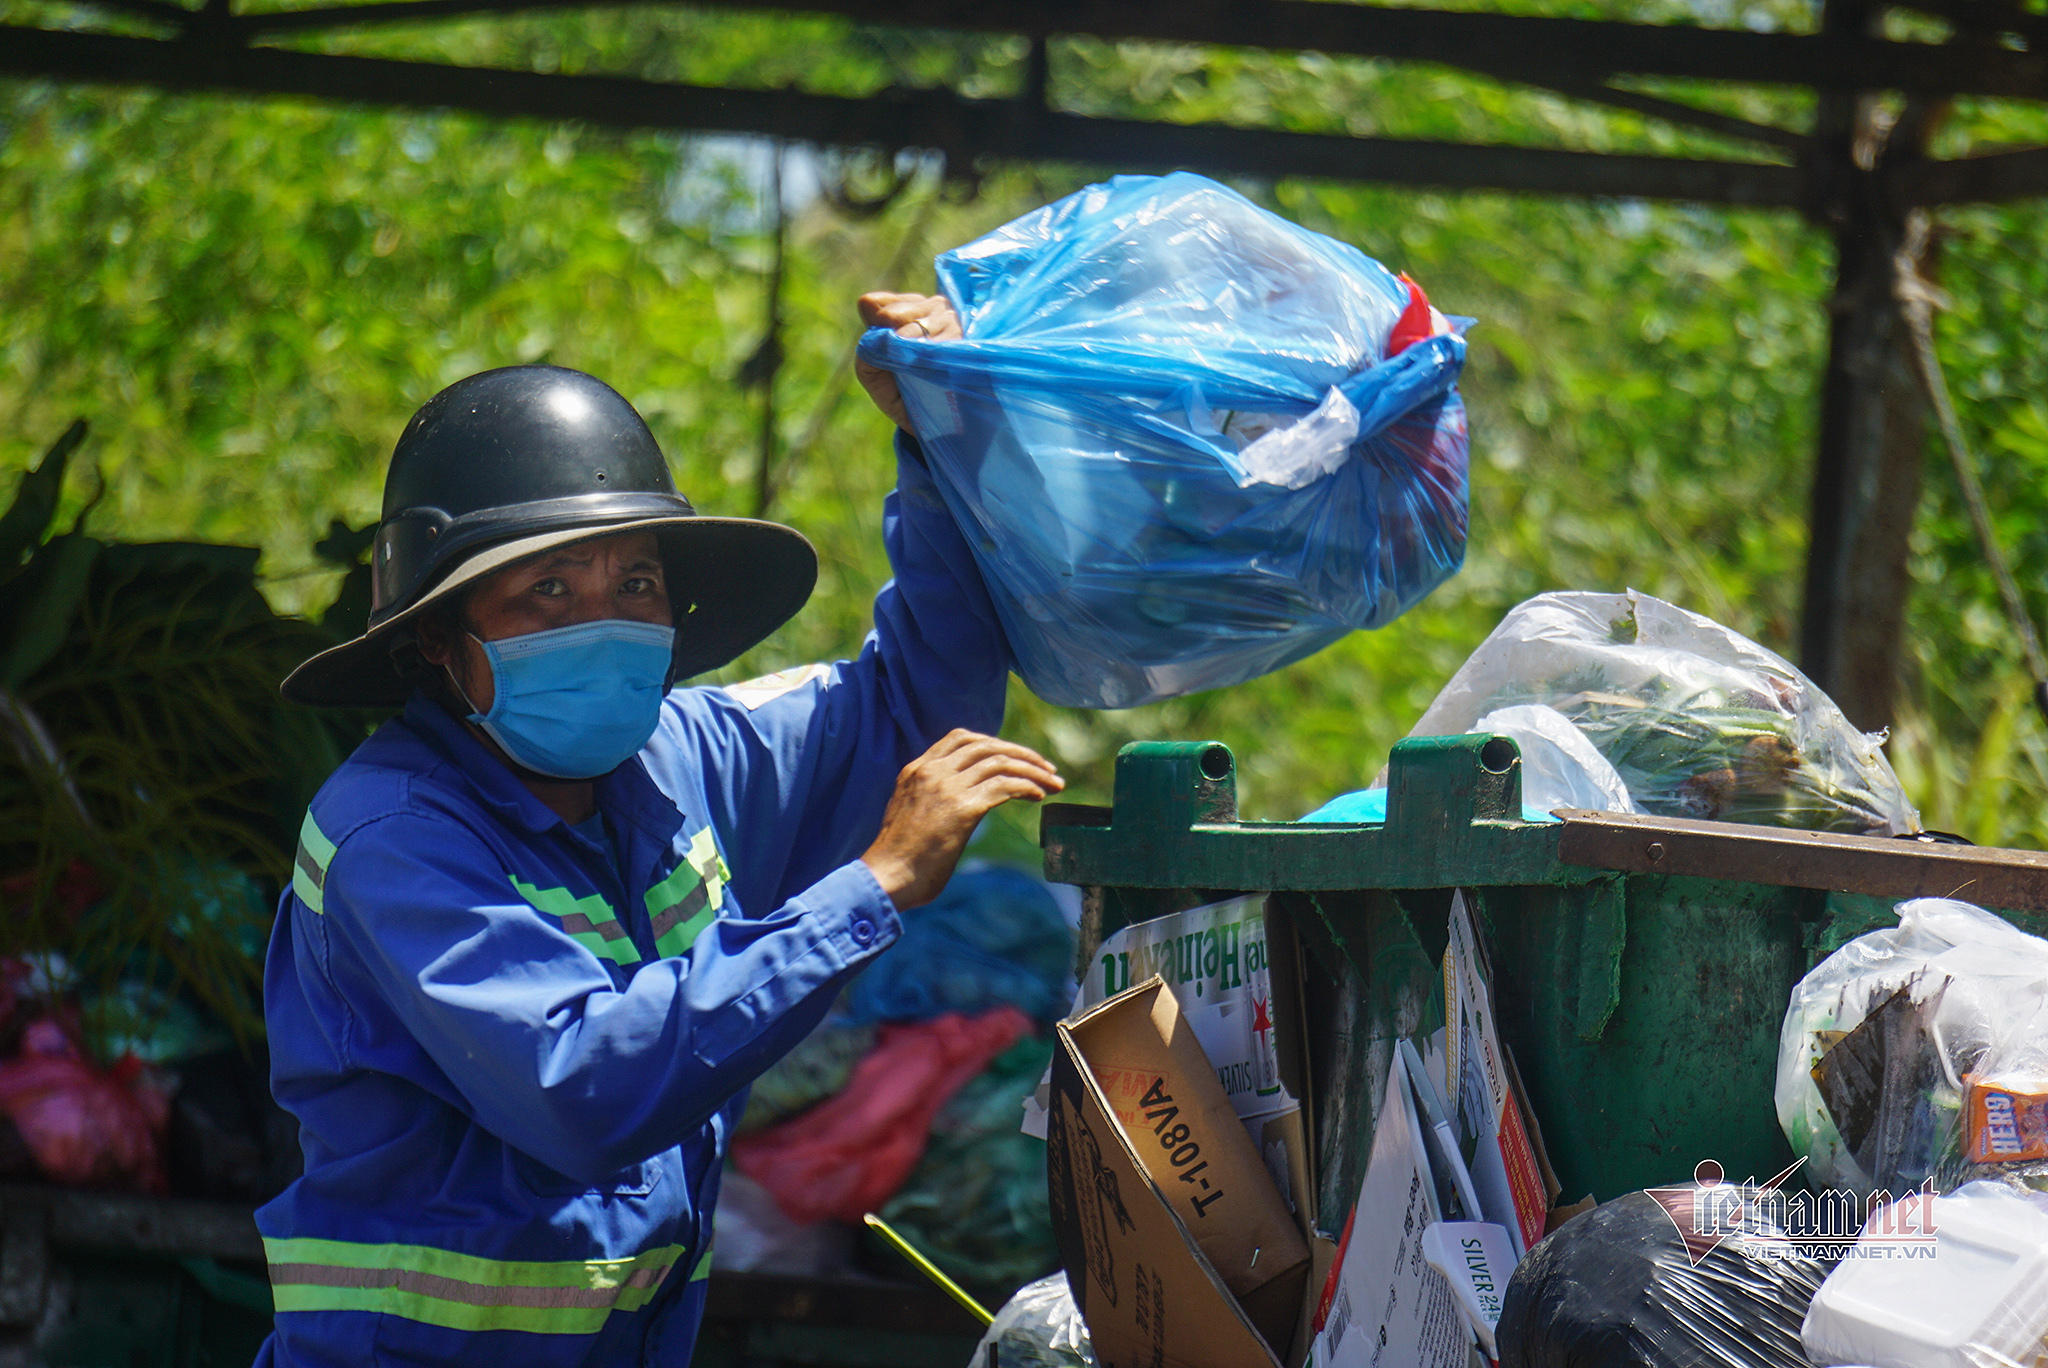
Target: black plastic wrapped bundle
column 1623, row 1287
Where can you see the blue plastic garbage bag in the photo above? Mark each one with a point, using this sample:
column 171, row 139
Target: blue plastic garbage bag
column 1177, row 443
column 994, row 936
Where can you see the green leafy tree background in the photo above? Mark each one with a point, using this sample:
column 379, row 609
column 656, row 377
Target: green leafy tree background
column 248, row 298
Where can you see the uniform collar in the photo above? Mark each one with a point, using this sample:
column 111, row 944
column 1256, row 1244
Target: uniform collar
column 626, row 792
column 495, row 784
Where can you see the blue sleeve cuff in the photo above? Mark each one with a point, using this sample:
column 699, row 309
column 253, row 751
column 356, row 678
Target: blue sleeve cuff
column 863, row 922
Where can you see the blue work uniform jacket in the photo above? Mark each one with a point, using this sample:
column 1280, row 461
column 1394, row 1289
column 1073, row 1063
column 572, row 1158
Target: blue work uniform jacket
column 516, row 1054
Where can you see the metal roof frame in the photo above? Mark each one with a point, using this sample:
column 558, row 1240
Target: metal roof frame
column 1863, row 180
column 217, row 48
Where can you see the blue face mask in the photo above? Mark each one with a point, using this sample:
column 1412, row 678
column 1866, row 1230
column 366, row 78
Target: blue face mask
column 577, row 702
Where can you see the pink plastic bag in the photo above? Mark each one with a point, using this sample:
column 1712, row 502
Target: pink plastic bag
column 86, row 1126
column 848, row 1155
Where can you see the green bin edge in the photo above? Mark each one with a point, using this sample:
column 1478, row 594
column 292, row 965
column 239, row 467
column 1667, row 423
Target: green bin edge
column 1642, row 1010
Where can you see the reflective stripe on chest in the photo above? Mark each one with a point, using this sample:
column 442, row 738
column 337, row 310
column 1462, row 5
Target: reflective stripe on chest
column 588, row 920
column 679, row 907
column 687, row 901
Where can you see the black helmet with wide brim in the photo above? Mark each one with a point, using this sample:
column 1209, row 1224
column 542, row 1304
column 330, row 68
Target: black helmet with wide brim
column 517, row 461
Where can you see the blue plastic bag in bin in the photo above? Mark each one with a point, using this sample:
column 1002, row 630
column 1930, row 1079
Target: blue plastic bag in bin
column 1178, row 442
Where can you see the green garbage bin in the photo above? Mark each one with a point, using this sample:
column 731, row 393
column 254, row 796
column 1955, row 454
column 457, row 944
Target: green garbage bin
column 1641, row 965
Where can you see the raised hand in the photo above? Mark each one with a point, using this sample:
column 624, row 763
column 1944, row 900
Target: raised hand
column 911, row 315
column 939, row 798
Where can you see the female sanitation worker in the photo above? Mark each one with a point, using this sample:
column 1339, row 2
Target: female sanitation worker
column 548, row 924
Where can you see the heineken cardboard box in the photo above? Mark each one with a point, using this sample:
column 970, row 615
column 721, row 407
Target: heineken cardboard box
column 1179, row 1248
column 1234, row 967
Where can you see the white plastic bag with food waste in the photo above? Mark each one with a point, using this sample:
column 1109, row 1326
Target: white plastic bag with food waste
column 1697, row 720
column 1919, row 1053
column 1560, row 767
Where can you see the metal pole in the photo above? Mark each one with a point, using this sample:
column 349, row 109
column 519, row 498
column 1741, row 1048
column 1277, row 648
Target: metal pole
column 1873, row 413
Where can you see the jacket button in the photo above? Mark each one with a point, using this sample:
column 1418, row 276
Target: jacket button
column 863, row 931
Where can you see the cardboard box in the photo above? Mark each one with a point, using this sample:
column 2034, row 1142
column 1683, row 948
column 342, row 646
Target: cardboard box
column 1181, row 1254
column 1232, row 966
column 1218, row 960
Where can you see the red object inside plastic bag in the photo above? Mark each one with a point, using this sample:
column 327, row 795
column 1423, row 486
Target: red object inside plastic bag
column 850, row 1153
column 86, row 1126
column 1415, row 323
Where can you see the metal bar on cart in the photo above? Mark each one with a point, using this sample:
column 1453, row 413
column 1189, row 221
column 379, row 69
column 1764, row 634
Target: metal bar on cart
column 1454, row 819
column 1881, row 866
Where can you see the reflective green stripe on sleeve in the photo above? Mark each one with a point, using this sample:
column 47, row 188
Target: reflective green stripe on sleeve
column 589, row 920
column 687, row 901
column 703, row 1268
column 309, row 865
column 462, row 1291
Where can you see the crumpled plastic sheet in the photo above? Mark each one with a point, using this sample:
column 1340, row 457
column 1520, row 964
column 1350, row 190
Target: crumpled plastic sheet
column 977, row 1203
column 1560, row 769
column 995, row 935
column 1188, row 441
column 753, row 1236
column 86, row 1126
column 1697, row 720
column 816, row 1069
column 849, row 1154
column 1891, row 1044
column 1038, row 1327
column 1617, row 1287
